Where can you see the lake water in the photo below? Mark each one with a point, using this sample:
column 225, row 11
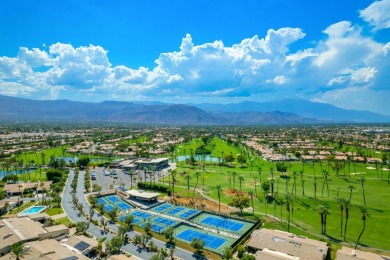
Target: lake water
column 69, row 159
column 18, row 171
column 199, row 158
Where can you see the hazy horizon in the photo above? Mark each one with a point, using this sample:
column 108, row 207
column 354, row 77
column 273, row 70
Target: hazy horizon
column 199, row 52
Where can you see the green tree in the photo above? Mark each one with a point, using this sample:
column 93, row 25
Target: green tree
column 351, row 188
column 148, row 228
column 198, row 245
column 347, row 206
column 227, row 253
column 113, row 214
column 115, row 245
column 240, row 202
column 362, row 180
column 169, row 235
column 83, row 162
column 341, row 202
column 323, row 211
column 129, row 221
column 219, row 188
column 250, row 193
column 241, row 179
column 18, row 250
column 365, row 215
column 82, row 227
column 188, row 178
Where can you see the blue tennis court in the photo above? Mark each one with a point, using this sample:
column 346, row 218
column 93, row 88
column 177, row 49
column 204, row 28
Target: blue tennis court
column 162, row 207
column 108, row 208
column 175, row 210
column 141, row 214
column 164, row 221
column 222, row 223
column 102, row 201
column 135, row 220
column 188, row 213
column 123, row 206
column 209, row 240
column 155, row 227
column 113, row 199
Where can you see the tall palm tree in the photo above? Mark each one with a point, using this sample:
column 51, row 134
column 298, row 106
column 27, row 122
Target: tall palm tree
column 350, row 187
column 188, row 178
column 289, row 201
column 219, row 188
column 315, row 187
column 365, row 215
column 259, row 171
column 255, row 184
column 303, row 187
column 294, row 187
column 250, row 193
column 18, row 249
column 197, row 175
column 347, row 206
column 241, row 179
column 325, row 174
column 131, row 173
column 234, row 179
column 362, row 180
column 341, row 202
column 173, row 176
column 323, row 211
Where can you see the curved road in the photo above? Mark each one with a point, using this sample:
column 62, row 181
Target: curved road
column 96, row 232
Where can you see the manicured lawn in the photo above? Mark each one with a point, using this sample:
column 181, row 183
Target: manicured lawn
column 54, row 211
column 66, row 221
column 377, row 192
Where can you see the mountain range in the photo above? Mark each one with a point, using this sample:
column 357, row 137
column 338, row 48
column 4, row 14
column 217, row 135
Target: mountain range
column 246, row 113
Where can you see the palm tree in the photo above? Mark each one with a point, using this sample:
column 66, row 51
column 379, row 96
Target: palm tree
column 289, row 201
column 197, row 175
column 255, row 184
column 350, row 187
column 250, row 193
column 219, row 197
column 131, row 173
column 362, row 180
column 326, row 174
column 303, row 188
column 347, row 205
column 341, row 202
column 18, row 249
column 259, row 170
column 315, row 187
column 294, row 187
column 188, row 178
column 173, row 173
column 240, row 178
column 323, row 211
column 365, row 215
column 234, row 179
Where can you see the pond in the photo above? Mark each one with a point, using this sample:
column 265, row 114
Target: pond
column 18, row 171
column 199, row 157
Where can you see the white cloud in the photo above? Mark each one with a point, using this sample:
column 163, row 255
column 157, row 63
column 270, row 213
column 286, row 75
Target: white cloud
column 377, row 14
column 254, row 68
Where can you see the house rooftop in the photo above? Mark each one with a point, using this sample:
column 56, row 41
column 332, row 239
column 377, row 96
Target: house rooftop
column 142, row 194
column 283, row 244
column 346, row 253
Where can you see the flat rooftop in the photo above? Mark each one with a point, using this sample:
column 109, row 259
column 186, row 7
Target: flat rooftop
column 282, row 243
column 346, row 253
column 142, row 194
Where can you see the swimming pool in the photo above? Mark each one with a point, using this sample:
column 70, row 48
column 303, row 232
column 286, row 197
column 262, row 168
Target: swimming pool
column 33, row 210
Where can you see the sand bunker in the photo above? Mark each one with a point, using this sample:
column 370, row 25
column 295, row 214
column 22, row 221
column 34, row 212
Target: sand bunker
column 357, row 173
column 370, row 168
column 385, row 169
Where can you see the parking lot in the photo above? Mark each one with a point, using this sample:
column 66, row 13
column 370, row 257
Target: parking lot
column 110, row 181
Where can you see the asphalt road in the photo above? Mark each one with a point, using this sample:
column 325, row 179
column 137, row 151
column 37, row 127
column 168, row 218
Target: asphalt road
column 95, row 231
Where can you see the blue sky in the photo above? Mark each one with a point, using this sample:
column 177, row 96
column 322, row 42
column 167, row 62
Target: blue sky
column 333, row 52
